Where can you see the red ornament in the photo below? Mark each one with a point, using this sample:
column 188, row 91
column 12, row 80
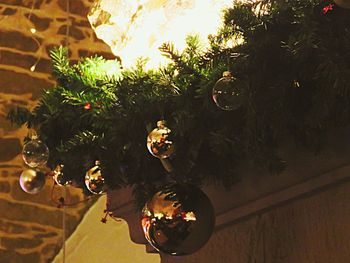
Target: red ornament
column 328, row 8
column 87, row 106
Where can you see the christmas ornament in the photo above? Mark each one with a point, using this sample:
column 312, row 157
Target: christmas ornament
column 32, row 181
column 35, row 153
column 94, row 180
column 87, row 106
column 327, row 8
column 227, row 94
column 59, row 176
column 343, row 3
column 158, row 142
column 178, row 220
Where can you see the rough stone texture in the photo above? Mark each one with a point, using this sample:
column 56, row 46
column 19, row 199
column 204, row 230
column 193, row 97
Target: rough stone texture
column 31, row 225
column 25, row 61
column 14, row 228
column 18, row 41
column 10, row 256
column 4, row 187
column 9, row 149
column 11, row 244
column 18, row 83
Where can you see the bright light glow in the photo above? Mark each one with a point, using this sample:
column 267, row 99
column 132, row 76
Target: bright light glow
column 135, row 29
column 33, row 30
column 32, row 68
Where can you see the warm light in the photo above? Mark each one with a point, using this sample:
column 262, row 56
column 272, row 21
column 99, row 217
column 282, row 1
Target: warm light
column 32, row 68
column 33, row 30
column 135, row 29
column 190, row 216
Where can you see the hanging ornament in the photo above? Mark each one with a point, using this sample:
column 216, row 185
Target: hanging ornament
column 32, row 181
column 158, row 142
column 59, row 176
column 35, row 153
column 178, row 220
column 87, row 106
column 343, row 3
column 94, row 180
column 327, row 8
column 227, row 94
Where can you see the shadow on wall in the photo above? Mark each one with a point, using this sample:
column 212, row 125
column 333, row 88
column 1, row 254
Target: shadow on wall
column 95, row 242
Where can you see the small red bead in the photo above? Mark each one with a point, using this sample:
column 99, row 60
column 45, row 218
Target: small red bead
column 87, row 106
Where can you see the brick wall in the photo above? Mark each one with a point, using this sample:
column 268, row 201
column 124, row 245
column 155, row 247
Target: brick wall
column 30, row 226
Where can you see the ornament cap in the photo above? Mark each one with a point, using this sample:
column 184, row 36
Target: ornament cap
column 59, row 167
column 161, row 124
column 32, row 134
column 227, row 74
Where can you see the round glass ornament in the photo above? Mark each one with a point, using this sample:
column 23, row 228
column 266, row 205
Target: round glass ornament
column 178, row 220
column 32, row 181
column 159, row 143
column 226, row 94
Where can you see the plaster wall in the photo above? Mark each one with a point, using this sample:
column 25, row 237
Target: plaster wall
column 94, row 242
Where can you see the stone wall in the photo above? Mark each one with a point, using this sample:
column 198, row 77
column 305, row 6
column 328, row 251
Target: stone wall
column 31, row 225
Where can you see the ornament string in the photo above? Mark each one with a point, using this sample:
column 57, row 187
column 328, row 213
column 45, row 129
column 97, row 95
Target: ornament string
column 61, row 202
column 32, row 29
column 64, row 190
column 64, row 227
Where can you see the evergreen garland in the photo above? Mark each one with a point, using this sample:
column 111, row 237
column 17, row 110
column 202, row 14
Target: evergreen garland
column 294, row 67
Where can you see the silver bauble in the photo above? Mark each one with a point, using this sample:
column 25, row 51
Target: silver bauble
column 94, row 180
column 35, row 153
column 227, row 92
column 59, row 176
column 32, row 181
column 178, row 220
column 158, row 142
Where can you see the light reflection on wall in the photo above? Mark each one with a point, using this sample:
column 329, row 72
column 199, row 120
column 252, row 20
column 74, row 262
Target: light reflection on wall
column 136, row 29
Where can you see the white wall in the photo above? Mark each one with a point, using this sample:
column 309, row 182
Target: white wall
column 95, row 242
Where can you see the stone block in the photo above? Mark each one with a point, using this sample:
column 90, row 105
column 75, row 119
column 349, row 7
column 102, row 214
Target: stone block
column 43, row 198
column 41, row 23
column 5, row 187
column 9, row 148
column 19, row 83
column 33, row 214
column 9, row 11
column 18, row 40
column 51, row 249
column 22, row 3
column 15, row 243
column 6, row 125
column 75, row 32
column 4, row 174
column 76, row 7
column 10, row 256
column 12, row 228
column 38, row 229
column 25, row 61
column 45, row 235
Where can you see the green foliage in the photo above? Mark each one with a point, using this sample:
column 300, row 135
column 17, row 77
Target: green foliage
column 293, row 64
